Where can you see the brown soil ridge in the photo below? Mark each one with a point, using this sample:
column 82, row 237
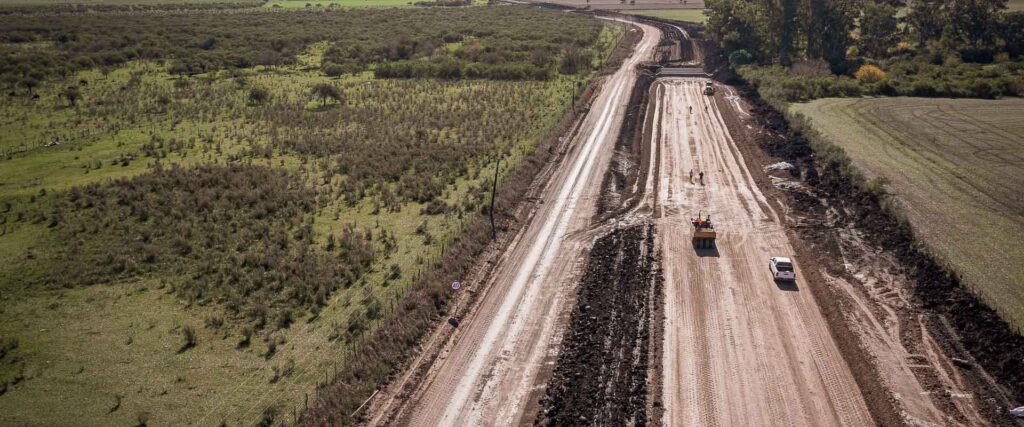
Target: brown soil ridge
column 601, row 375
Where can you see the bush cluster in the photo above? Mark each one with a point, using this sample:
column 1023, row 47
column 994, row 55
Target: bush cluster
column 919, row 76
column 444, row 3
column 238, row 236
column 34, row 47
column 407, row 140
column 456, row 69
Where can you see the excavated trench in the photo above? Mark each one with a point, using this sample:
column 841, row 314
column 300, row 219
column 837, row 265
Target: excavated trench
column 601, row 375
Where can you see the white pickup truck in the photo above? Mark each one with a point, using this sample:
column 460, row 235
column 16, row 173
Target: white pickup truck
column 781, row 268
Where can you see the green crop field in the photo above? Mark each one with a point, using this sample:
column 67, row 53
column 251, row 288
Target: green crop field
column 687, row 15
column 202, row 225
column 956, row 168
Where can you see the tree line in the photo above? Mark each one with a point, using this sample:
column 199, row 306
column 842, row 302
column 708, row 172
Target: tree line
column 841, row 32
column 796, row 50
column 42, row 46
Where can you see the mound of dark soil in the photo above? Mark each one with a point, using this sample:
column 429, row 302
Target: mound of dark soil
column 601, row 376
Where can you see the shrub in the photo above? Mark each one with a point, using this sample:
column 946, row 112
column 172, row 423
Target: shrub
column 333, row 70
column 236, row 223
column 868, row 73
column 258, row 95
column 358, row 37
column 740, row 57
column 815, row 68
column 575, row 60
column 246, row 337
column 982, row 88
column 189, row 338
column 326, row 91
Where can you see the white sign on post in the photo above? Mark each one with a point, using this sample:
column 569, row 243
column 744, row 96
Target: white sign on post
column 456, row 285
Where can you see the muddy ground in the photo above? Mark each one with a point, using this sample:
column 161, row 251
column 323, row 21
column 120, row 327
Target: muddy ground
column 874, row 265
column 601, row 375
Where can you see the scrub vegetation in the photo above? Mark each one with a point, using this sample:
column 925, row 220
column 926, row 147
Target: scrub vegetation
column 202, row 218
column 37, row 47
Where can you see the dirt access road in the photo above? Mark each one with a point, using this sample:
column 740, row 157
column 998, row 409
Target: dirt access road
column 491, row 367
column 738, row 349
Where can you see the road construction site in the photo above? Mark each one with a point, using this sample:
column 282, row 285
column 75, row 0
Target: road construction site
column 604, row 310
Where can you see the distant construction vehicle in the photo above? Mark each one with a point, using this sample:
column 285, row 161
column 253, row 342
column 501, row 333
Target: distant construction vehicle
column 703, row 232
column 709, row 88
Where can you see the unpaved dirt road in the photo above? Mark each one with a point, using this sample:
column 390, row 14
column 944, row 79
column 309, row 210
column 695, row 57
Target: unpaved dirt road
column 491, row 366
column 739, row 349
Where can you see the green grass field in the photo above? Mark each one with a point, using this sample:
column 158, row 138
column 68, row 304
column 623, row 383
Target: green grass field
column 686, row 15
column 108, row 353
column 113, row 342
column 956, row 168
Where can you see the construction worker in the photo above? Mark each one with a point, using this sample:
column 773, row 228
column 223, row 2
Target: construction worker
column 702, row 177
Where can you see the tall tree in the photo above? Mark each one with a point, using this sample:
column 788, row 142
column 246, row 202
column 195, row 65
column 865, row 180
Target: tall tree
column 973, row 26
column 72, row 94
column 733, row 24
column 1012, row 30
column 928, row 18
column 832, row 21
column 787, row 31
column 326, row 91
column 877, row 29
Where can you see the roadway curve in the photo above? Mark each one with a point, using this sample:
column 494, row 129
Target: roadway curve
column 738, row 348
column 492, row 367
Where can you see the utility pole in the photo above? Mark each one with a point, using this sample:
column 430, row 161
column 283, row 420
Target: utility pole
column 494, row 192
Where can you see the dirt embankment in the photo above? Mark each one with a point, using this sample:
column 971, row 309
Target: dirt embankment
column 623, row 182
column 841, row 221
column 601, row 376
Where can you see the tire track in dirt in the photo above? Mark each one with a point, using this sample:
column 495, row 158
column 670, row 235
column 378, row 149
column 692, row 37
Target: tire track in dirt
column 759, row 351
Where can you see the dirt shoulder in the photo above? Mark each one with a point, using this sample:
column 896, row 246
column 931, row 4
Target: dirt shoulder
column 893, row 311
column 833, row 304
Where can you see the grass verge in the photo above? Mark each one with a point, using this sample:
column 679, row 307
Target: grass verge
column 685, row 15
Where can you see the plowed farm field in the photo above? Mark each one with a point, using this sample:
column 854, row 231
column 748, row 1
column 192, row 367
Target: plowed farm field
column 956, row 168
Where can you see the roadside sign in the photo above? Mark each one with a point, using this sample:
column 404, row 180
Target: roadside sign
column 456, row 285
